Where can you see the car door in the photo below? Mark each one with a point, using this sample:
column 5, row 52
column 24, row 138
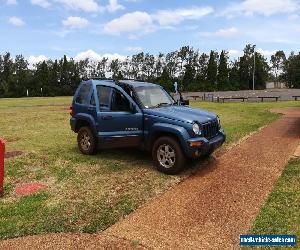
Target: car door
column 119, row 124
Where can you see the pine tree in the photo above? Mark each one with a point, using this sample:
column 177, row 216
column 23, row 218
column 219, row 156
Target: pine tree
column 41, row 80
column 21, row 76
column 165, row 80
column 212, row 70
column 222, row 78
column 188, row 80
column 234, row 76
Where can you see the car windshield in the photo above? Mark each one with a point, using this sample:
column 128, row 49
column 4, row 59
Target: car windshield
column 153, row 96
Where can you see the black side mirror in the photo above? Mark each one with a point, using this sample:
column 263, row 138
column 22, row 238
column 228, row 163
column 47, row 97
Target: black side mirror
column 133, row 108
column 185, row 102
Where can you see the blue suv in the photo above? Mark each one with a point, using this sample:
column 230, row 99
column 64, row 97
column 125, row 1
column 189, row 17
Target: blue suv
column 126, row 113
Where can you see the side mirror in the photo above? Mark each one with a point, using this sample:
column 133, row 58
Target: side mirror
column 185, row 102
column 133, row 108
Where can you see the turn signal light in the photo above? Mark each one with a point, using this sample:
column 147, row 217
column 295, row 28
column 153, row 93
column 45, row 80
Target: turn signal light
column 71, row 111
column 196, row 143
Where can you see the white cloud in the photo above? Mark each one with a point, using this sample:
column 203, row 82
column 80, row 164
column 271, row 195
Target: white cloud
column 265, row 7
column 33, row 60
column 293, row 17
column 134, row 49
column 86, row 5
column 234, row 53
column 266, row 53
column 237, row 53
column 16, row 21
column 176, row 16
column 12, row 2
column 41, row 3
column 139, row 23
column 114, row 6
column 222, row 33
column 130, row 22
column 75, row 22
column 95, row 57
column 227, row 32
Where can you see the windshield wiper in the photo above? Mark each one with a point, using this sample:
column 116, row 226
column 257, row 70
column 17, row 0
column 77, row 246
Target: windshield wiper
column 161, row 104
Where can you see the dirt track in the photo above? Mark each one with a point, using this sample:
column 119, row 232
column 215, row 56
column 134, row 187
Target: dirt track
column 207, row 211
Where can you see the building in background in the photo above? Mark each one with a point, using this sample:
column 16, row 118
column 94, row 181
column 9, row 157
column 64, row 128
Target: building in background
column 276, row 85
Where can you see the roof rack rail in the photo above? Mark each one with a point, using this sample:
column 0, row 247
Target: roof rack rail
column 136, row 80
column 99, row 78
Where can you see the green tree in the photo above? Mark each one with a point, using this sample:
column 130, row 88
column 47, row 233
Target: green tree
column 41, row 80
column 165, row 80
column 261, row 71
column 212, row 69
column 115, row 67
column 222, row 77
column 201, row 73
column 246, row 67
column 21, row 75
column 52, row 89
column 2, row 86
column 234, row 76
column 9, row 84
column 172, row 63
column 277, row 64
column 159, row 63
column 292, row 71
column 188, row 80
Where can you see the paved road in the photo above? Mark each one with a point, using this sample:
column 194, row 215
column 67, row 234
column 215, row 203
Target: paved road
column 208, row 210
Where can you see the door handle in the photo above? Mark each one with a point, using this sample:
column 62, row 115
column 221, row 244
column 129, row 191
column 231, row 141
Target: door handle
column 107, row 117
column 91, row 108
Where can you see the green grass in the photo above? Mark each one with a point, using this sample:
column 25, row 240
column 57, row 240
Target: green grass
column 281, row 212
column 87, row 193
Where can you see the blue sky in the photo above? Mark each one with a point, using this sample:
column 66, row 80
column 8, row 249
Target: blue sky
column 78, row 28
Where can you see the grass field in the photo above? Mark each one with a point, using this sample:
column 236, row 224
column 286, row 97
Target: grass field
column 87, row 193
column 281, row 212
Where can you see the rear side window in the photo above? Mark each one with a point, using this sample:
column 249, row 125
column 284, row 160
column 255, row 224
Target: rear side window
column 83, row 95
column 93, row 101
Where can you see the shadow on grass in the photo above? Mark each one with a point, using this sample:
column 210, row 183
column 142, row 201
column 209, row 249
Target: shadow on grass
column 140, row 158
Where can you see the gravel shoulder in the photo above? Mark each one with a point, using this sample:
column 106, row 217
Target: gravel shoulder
column 209, row 210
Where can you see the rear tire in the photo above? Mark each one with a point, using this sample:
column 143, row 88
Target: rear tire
column 87, row 142
column 168, row 155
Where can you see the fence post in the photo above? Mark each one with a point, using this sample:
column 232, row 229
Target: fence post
column 2, row 154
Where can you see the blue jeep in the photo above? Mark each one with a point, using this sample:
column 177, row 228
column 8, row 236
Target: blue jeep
column 115, row 114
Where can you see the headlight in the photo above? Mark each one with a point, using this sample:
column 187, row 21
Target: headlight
column 196, row 129
column 219, row 121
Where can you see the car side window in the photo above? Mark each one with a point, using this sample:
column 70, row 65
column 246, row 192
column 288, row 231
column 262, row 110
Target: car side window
column 93, row 101
column 111, row 100
column 83, row 95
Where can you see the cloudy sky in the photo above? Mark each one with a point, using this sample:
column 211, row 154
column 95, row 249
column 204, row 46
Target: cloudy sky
column 42, row 29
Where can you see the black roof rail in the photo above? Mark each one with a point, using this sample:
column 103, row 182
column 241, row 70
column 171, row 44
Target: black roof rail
column 100, row 78
column 135, row 80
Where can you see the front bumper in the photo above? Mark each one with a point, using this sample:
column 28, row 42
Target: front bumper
column 73, row 123
column 207, row 146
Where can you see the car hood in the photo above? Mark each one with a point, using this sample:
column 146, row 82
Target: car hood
column 182, row 113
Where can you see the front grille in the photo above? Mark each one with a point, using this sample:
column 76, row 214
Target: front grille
column 210, row 129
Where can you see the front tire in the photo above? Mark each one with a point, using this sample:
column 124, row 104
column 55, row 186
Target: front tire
column 87, row 142
column 168, row 155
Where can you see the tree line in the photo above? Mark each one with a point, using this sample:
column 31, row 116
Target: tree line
column 194, row 71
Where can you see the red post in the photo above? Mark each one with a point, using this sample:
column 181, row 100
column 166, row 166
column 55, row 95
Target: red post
column 2, row 153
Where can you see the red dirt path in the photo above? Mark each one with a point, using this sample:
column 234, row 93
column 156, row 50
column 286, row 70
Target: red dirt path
column 207, row 211
column 29, row 188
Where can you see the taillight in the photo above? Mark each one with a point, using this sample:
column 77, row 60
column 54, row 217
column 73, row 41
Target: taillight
column 71, row 111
